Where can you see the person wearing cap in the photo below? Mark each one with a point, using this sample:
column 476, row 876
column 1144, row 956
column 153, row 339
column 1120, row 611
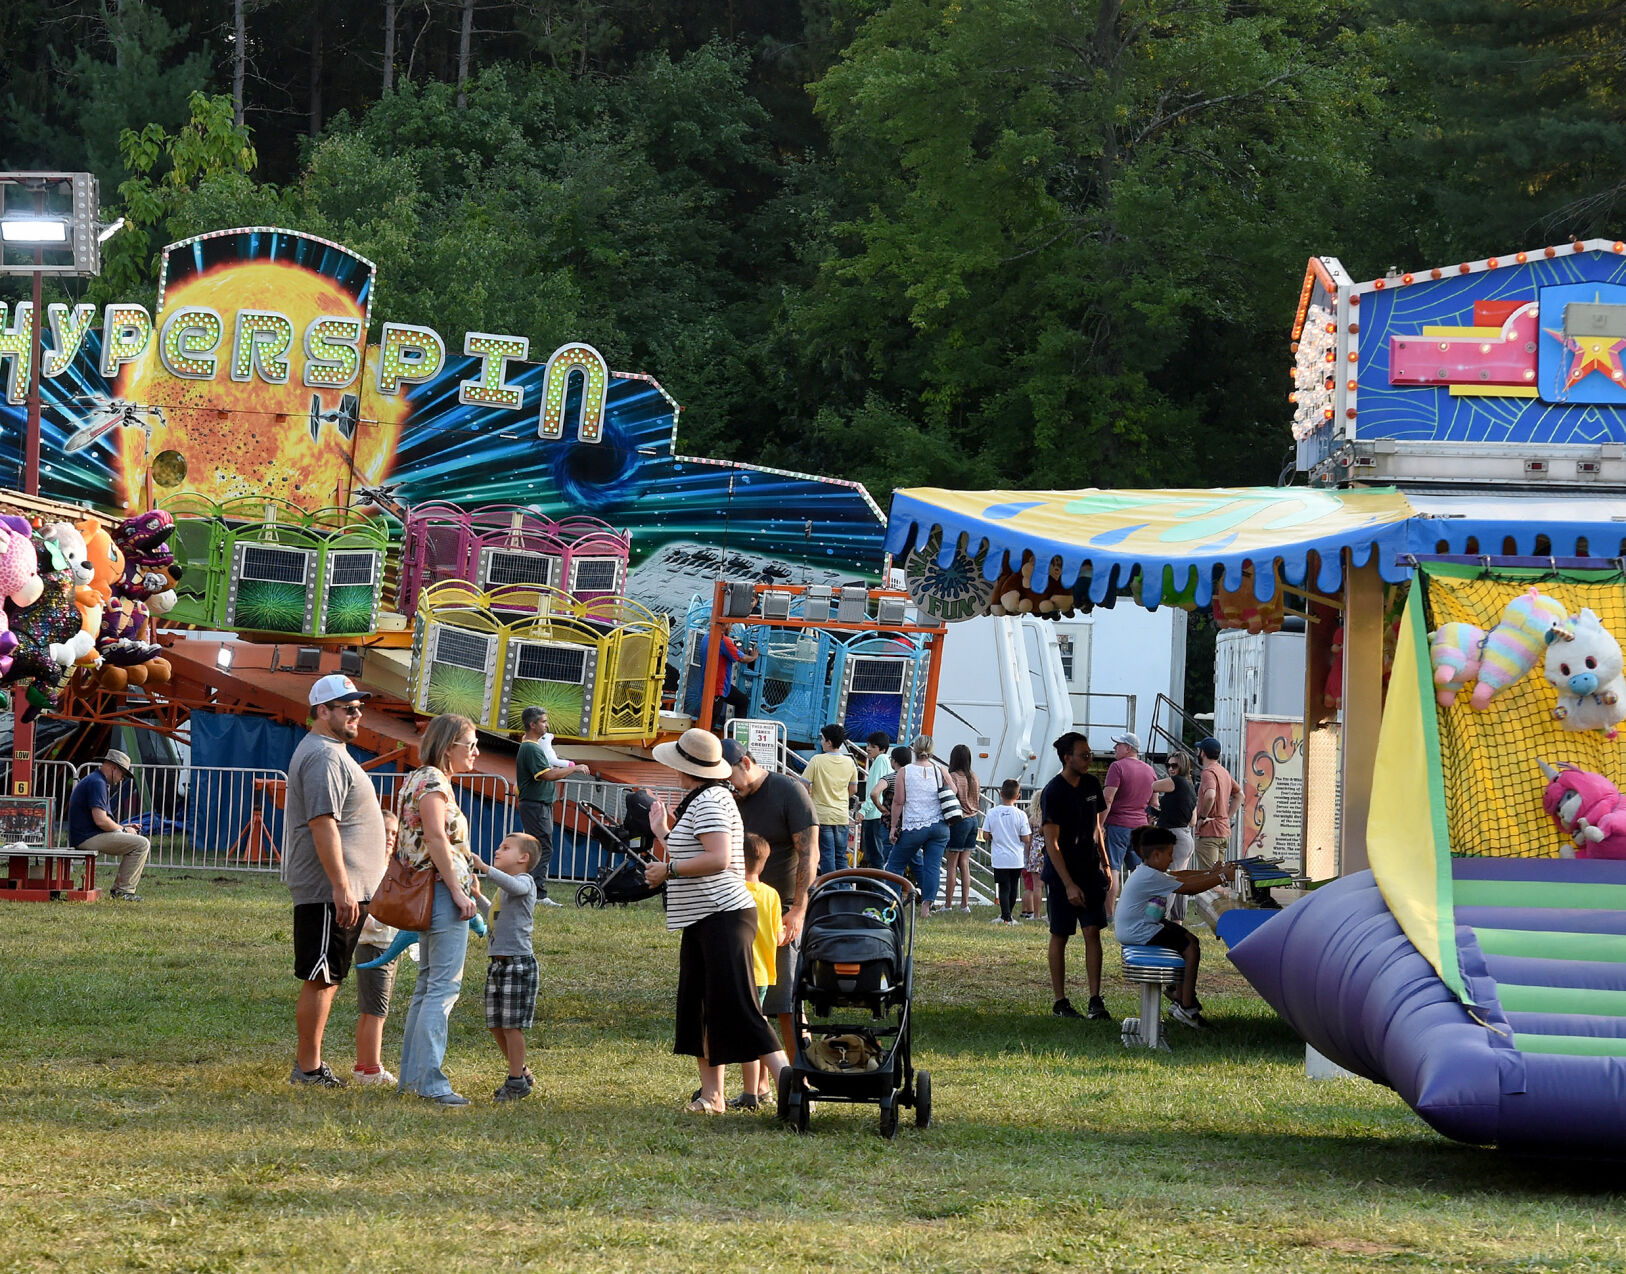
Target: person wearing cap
column 718, row 1019
column 1219, row 796
column 91, row 824
column 1128, row 791
column 536, row 770
column 779, row 809
column 333, row 853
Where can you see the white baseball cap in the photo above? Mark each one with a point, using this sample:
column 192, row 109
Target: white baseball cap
column 336, row 688
column 1129, row 739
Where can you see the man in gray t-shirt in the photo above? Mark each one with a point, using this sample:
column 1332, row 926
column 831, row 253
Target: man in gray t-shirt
column 334, row 856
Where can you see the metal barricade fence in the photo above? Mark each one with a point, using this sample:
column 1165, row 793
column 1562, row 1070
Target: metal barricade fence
column 485, row 799
column 577, row 854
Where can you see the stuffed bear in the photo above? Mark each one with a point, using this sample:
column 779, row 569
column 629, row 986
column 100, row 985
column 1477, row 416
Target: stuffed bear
column 1241, row 609
column 1013, row 590
column 1455, row 651
column 1515, row 645
column 1584, row 664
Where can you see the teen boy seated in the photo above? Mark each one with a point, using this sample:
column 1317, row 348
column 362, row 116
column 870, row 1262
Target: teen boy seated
column 1144, row 900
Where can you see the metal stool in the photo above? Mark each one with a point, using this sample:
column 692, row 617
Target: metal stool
column 1153, row 968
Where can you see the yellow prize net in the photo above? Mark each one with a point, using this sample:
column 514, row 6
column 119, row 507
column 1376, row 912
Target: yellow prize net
column 1493, row 784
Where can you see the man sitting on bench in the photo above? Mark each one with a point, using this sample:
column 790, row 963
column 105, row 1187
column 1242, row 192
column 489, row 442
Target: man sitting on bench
column 1140, row 919
column 91, row 824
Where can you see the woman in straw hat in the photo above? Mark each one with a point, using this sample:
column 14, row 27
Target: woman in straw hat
column 718, row 1018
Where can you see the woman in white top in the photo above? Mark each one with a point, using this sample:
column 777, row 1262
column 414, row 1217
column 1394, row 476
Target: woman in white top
column 920, row 833
column 718, row 1018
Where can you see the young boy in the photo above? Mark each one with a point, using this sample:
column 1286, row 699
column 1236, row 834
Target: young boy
column 511, row 973
column 1009, row 837
column 373, row 986
column 770, row 934
column 1144, row 902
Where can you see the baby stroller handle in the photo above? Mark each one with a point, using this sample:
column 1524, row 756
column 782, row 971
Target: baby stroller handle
column 870, row 873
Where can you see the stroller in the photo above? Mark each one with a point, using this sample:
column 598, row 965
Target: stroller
column 857, row 954
column 628, row 843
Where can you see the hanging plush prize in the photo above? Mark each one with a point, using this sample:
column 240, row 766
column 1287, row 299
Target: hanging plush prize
column 1516, row 644
column 1455, row 651
column 1584, row 664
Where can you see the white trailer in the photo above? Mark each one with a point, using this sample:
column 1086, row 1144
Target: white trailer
column 1116, row 664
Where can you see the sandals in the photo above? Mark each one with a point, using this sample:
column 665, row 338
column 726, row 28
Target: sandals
column 698, row 1107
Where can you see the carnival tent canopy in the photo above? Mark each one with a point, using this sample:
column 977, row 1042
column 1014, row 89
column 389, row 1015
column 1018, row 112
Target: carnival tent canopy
column 1177, row 541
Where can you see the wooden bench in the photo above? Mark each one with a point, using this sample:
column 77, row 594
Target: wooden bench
column 35, row 874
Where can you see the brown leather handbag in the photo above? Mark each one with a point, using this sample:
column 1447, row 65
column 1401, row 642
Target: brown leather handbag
column 405, row 898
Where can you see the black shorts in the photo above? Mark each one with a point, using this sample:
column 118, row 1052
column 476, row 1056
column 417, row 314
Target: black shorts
column 322, row 947
column 1175, row 938
column 1065, row 918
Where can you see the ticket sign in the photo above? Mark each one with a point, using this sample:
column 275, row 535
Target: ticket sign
column 764, row 740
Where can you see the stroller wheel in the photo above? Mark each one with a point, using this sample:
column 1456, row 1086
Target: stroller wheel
column 923, row 1099
column 889, row 1117
column 589, row 896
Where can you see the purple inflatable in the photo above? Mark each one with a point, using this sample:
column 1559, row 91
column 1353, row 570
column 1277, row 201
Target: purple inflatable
column 1338, row 968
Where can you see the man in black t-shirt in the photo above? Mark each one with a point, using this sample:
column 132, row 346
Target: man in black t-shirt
column 1075, row 871
column 780, row 810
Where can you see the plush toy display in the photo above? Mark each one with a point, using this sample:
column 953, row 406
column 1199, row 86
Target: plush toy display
column 69, row 551
column 1516, row 644
column 1013, row 590
column 1241, row 609
column 1332, row 692
column 1057, row 598
column 19, row 580
column 1584, row 663
column 1455, row 651
column 1588, row 809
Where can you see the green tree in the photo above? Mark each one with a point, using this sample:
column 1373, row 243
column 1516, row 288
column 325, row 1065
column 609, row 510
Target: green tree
column 1056, row 230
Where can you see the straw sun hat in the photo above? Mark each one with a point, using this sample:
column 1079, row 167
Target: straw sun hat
column 696, row 752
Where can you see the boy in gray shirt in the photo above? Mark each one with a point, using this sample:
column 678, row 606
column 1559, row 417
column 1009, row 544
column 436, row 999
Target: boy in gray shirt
column 511, row 973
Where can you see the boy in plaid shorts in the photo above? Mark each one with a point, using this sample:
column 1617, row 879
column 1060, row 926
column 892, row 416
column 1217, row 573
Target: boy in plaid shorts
column 511, row 973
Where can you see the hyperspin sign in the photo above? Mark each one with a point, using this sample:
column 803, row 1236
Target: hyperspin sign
column 256, row 377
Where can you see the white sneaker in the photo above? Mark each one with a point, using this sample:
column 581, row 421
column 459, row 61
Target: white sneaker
column 548, row 902
column 371, row 1081
column 966, row 909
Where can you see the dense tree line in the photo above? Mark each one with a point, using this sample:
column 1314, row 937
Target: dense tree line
column 962, row 242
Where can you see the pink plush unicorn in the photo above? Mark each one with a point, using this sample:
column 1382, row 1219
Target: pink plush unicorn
column 1588, row 809
column 19, row 579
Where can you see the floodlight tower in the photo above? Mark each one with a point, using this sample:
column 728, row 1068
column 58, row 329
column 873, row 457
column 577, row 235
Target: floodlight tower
column 49, row 224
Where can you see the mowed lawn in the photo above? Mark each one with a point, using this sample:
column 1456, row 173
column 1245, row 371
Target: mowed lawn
column 146, row 1122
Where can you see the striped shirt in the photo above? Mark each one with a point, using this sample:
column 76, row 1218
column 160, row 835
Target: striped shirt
column 692, row 898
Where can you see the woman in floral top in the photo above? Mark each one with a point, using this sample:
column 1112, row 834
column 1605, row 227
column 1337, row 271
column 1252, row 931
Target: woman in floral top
column 435, row 833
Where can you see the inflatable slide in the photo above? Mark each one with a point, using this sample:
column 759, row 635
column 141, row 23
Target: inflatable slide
column 1479, row 967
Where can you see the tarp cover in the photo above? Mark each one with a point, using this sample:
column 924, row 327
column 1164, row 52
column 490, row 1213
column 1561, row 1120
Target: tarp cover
column 1176, row 539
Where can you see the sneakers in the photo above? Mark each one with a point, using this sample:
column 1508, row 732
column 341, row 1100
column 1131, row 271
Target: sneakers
column 1174, row 999
column 1098, row 1010
column 1000, row 920
column 124, row 895
column 1064, row 1008
column 548, row 902
column 322, row 1077
column 514, row 1088
column 373, row 1079
column 966, row 909
column 1189, row 1017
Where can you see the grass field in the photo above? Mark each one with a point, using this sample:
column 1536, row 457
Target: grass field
column 146, row 1123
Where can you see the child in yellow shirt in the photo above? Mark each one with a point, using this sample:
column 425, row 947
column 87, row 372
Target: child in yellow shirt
column 764, row 956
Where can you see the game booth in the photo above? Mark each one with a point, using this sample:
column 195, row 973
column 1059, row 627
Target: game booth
column 1456, row 556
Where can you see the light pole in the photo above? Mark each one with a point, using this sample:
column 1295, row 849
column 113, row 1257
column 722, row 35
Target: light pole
column 53, row 220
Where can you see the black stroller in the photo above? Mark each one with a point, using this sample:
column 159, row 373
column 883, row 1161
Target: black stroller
column 628, row 843
column 857, row 953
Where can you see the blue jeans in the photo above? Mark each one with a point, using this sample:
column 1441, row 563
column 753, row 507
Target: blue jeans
column 922, row 849
column 832, row 848
column 1122, row 858
column 440, row 978
column 876, row 839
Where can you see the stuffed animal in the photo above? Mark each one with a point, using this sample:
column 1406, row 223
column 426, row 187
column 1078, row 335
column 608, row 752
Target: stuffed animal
column 1455, row 651
column 1332, row 692
column 1513, row 647
column 1013, row 590
column 68, row 548
column 1588, row 809
column 1584, row 664
column 1241, row 609
column 42, row 628
column 1057, row 598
